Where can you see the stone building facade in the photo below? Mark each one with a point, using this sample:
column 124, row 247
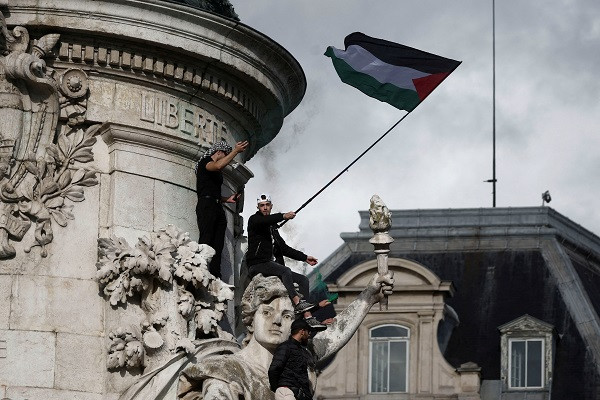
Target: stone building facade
column 105, row 106
column 488, row 304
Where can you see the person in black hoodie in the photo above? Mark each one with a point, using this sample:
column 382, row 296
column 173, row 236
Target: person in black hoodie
column 288, row 373
column 266, row 249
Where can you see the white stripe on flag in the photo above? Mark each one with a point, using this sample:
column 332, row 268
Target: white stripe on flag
column 363, row 61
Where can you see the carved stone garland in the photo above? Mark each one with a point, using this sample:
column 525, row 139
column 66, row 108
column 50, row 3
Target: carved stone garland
column 40, row 161
column 181, row 299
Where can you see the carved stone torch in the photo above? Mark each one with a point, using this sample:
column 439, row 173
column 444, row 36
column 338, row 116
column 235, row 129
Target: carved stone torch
column 380, row 222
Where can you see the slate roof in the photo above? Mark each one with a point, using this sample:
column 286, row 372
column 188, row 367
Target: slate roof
column 504, row 263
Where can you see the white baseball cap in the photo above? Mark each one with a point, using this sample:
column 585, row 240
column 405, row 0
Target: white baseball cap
column 262, row 198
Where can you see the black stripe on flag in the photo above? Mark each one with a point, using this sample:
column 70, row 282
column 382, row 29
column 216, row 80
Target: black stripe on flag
column 400, row 55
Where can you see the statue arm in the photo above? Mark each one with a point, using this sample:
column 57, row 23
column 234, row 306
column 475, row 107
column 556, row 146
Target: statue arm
column 329, row 342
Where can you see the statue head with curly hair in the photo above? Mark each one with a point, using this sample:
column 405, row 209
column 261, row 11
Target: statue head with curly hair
column 267, row 311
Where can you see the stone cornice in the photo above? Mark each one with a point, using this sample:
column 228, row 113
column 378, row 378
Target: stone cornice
column 112, row 133
column 149, row 66
column 267, row 70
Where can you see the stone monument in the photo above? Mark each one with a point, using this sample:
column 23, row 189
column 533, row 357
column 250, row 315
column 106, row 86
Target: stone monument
column 104, row 108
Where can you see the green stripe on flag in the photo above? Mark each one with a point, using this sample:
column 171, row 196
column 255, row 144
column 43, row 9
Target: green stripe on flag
column 403, row 99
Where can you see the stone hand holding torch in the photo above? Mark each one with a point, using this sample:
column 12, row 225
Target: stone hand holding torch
column 380, row 222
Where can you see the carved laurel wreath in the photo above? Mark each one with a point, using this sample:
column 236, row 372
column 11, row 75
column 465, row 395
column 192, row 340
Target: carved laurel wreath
column 44, row 202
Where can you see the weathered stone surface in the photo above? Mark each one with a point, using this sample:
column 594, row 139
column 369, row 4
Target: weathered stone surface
column 156, row 165
column 29, row 359
column 129, row 234
column 5, row 292
column 101, row 157
column 177, row 206
column 159, row 107
column 73, row 252
column 25, row 393
column 131, row 200
column 43, row 303
column 79, row 362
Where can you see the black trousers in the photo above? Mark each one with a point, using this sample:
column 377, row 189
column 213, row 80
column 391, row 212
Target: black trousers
column 287, row 276
column 212, row 224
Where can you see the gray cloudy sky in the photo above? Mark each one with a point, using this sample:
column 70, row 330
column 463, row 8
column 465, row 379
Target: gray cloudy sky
column 547, row 112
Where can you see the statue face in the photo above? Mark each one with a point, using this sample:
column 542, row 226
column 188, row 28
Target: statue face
column 273, row 321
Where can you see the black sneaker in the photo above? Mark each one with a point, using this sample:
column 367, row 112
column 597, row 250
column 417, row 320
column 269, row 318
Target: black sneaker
column 303, row 306
column 315, row 325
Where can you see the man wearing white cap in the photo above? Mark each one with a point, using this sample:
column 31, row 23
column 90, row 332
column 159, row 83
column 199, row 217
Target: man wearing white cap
column 266, row 249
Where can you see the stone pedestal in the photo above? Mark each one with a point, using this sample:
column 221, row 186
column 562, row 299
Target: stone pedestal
column 154, row 83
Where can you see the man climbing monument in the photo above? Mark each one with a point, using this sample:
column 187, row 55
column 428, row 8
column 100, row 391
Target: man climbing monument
column 266, row 249
column 209, row 211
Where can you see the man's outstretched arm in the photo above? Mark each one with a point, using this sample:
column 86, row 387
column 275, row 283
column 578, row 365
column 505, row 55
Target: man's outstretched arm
column 327, row 343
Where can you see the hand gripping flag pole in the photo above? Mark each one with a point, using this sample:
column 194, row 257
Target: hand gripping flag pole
column 390, row 72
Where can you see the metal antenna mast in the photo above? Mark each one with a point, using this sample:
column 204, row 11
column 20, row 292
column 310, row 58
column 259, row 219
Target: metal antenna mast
column 493, row 180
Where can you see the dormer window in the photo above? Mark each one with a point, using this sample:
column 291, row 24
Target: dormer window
column 526, row 344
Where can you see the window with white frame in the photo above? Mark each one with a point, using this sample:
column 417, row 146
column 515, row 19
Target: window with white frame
column 526, row 359
column 388, row 360
column 526, row 363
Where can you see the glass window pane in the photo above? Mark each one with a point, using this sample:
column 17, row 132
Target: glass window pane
column 389, row 331
column 398, row 366
column 379, row 367
column 517, row 363
column 534, row 363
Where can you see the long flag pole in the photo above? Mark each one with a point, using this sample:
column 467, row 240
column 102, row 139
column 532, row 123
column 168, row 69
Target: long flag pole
column 347, row 168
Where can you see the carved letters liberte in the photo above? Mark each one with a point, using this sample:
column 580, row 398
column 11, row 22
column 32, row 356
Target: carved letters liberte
column 186, row 118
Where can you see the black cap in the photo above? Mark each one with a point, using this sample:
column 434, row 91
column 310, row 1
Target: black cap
column 301, row 323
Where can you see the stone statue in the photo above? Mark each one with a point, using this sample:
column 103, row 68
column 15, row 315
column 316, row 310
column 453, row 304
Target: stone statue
column 268, row 313
column 222, row 7
column 218, row 369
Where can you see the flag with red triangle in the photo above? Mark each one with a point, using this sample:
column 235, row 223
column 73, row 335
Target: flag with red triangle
column 390, row 72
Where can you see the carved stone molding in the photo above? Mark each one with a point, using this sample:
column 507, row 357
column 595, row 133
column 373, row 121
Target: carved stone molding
column 40, row 162
column 181, row 300
column 166, row 45
column 140, row 64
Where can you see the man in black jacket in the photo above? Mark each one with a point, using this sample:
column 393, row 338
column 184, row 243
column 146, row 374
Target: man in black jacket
column 288, row 373
column 210, row 215
column 266, row 249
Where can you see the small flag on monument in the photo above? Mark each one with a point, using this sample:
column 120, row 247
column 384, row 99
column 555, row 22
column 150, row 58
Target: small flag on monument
column 390, row 72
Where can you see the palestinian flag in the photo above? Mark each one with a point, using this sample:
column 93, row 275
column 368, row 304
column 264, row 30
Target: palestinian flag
column 390, row 72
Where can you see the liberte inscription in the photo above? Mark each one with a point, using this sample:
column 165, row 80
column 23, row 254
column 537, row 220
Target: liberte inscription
column 170, row 112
